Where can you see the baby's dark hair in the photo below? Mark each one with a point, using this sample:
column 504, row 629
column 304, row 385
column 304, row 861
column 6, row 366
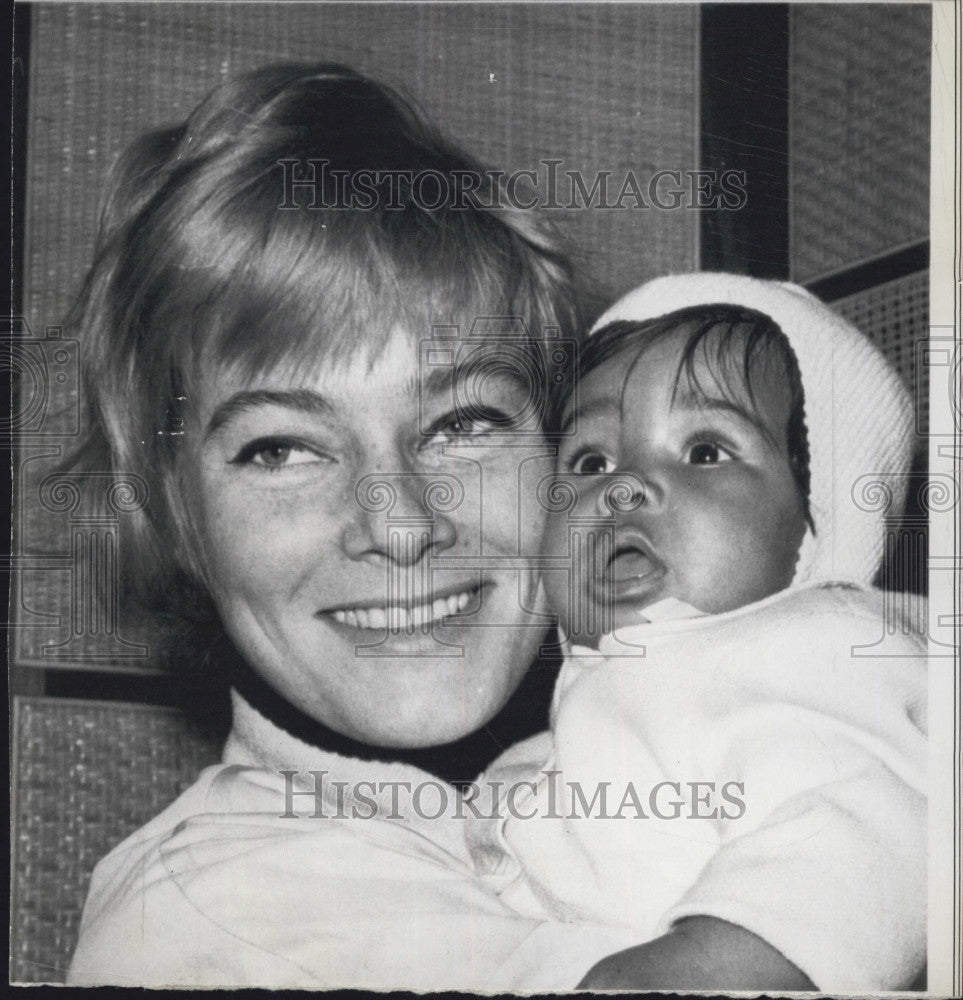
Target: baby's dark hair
column 732, row 340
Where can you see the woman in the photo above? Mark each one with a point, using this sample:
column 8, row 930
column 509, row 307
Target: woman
column 319, row 334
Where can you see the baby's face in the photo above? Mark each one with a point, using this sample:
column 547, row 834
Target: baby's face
column 722, row 519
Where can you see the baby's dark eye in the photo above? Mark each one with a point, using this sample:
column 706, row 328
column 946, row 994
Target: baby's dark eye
column 707, row 453
column 591, row 463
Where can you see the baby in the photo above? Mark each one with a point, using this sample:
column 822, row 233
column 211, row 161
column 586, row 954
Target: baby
column 736, row 770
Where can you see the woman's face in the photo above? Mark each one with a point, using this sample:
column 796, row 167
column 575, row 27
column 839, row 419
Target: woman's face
column 365, row 544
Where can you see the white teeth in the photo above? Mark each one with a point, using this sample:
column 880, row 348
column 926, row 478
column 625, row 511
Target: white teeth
column 401, row 619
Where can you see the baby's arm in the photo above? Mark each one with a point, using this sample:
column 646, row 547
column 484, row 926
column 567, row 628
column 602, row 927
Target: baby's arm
column 699, row 953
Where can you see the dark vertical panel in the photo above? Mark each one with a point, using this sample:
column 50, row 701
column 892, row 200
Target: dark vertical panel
column 15, row 32
column 859, row 79
column 744, row 126
column 20, row 39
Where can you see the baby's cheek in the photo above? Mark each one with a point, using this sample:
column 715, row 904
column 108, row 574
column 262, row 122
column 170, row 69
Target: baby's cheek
column 779, row 528
column 769, row 549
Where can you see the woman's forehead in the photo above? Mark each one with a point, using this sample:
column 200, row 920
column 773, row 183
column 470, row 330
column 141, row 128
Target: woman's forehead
column 402, row 365
column 336, row 370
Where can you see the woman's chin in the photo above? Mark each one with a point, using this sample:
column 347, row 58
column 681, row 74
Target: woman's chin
column 403, row 705
column 425, row 725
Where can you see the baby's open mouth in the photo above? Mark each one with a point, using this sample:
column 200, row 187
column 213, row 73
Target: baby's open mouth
column 629, row 563
column 415, row 614
column 630, row 574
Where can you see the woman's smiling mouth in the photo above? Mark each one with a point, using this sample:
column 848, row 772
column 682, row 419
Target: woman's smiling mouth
column 410, row 615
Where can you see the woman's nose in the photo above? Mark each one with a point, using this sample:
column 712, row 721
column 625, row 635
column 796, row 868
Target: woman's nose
column 401, row 517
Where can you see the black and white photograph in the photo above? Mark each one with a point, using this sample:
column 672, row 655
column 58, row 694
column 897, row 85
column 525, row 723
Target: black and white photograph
column 485, row 494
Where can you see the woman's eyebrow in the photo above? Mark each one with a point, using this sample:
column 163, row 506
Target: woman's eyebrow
column 444, row 380
column 304, row 400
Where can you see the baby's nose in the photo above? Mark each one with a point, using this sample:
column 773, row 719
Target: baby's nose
column 621, row 494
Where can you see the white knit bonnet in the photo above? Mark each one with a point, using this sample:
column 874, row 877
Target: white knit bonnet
column 858, row 416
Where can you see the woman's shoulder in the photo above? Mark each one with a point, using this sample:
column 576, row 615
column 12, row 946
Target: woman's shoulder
column 196, row 798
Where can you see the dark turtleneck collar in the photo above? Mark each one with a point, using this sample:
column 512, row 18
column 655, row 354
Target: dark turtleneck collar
column 458, row 763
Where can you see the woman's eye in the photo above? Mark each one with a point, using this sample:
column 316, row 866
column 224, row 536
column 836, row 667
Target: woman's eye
column 591, row 463
column 277, row 454
column 463, row 426
column 707, row 453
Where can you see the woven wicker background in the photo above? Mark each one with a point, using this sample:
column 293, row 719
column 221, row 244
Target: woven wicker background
column 859, row 85
column 75, row 798
column 607, row 88
column 600, row 87
column 896, row 315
